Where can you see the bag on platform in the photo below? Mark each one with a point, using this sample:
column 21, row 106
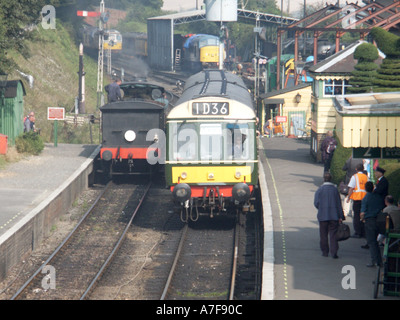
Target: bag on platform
column 343, row 232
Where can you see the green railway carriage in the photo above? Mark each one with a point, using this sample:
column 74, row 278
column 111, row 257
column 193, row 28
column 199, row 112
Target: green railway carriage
column 211, row 158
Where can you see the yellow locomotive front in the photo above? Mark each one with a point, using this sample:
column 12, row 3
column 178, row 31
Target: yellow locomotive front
column 113, row 40
column 211, row 164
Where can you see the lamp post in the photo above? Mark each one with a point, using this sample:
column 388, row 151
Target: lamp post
column 299, row 66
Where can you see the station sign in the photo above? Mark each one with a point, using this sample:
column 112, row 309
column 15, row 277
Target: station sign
column 55, row 113
column 280, row 119
column 376, row 153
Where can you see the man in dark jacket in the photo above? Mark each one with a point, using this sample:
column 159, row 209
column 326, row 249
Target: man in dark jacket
column 371, row 205
column 114, row 91
column 328, row 147
column 382, row 184
column 330, row 214
column 350, row 168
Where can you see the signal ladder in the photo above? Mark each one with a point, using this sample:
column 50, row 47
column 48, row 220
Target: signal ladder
column 178, row 58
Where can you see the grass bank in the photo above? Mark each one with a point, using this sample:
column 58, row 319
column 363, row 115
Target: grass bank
column 54, row 64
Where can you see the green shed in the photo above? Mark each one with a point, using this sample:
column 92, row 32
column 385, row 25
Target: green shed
column 12, row 110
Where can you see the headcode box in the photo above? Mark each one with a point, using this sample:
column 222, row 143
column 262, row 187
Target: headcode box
column 55, row 113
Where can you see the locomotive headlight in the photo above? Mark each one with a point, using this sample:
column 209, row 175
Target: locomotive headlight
column 241, row 192
column 182, row 192
column 184, row 175
column 238, row 174
column 130, row 135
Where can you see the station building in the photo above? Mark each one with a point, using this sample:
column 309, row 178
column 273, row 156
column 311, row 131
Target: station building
column 331, row 81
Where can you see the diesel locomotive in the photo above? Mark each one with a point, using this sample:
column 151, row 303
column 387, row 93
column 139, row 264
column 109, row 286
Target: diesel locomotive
column 131, row 129
column 112, row 39
column 201, row 51
column 211, row 163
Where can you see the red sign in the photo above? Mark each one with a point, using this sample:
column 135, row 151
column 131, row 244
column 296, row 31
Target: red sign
column 55, row 113
column 280, row 119
column 88, row 13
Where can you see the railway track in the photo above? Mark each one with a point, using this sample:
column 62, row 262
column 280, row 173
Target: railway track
column 205, row 263
column 71, row 272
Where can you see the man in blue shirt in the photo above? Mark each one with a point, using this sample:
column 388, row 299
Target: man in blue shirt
column 371, row 205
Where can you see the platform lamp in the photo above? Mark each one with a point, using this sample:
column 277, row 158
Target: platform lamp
column 297, row 98
column 299, row 65
column 3, row 84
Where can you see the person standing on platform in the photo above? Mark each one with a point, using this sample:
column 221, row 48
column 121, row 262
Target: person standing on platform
column 330, row 214
column 29, row 122
column 350, row 168
column 371, row 205
column 357, row 193
column 393, row 211
column 328, row 147
column 382, row 184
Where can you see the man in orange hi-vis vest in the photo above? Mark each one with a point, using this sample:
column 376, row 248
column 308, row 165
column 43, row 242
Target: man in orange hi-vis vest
column 357, row 193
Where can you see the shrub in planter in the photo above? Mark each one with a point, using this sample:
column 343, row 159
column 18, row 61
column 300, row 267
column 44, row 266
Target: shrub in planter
column 29, row 142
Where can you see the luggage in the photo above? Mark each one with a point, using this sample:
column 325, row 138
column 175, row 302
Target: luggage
column 343, row 232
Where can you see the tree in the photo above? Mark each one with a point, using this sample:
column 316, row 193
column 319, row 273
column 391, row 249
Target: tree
column 388, row 74
column 267, row 6
column 362, row 78
column 16, row 17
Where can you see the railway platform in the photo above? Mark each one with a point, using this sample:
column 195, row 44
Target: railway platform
column 34, row 192
column 294, row 268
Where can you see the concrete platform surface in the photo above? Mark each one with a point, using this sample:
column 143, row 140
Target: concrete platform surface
column 26, row 183
column 299, row 270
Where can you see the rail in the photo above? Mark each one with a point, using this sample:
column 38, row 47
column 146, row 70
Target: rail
column 230, row 280
column 80, row 226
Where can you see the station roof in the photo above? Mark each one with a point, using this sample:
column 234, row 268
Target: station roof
column 342, row 61
column 368, row 103
column 275, row 93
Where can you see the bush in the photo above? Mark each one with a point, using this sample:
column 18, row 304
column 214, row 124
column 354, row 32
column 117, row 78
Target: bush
column 366, row 52
column 29, row 142
column 340, row 157
column 362, row 78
